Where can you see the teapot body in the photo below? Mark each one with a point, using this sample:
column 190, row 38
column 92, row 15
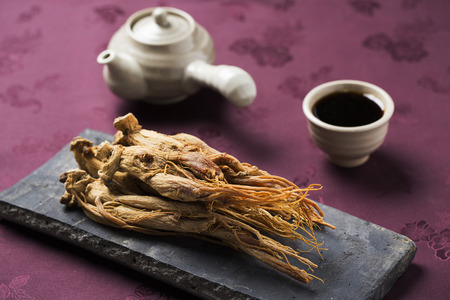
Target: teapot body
column 161, row 64
column 161, row 55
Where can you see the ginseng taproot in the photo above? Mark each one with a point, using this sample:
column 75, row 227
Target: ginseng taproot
column 161, row 184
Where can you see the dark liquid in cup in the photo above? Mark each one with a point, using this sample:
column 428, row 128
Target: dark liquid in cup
column 347, row 109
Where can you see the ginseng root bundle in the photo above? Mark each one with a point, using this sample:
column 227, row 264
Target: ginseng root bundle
column 178, row 185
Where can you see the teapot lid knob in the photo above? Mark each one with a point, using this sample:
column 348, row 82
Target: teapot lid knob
column 160, row 26
column 160, row 15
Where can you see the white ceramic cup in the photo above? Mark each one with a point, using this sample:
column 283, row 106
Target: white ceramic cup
column 348, row 146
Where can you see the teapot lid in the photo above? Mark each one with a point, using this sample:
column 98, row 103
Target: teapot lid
column 160, row 25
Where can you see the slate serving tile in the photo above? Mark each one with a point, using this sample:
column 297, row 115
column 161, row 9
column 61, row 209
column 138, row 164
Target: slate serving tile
column 363, row 261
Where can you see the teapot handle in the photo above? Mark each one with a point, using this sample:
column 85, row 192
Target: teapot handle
column 232, row 82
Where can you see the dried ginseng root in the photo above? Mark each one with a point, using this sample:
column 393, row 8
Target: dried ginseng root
column 160, row 216
column 266, row 190
column 161, row 184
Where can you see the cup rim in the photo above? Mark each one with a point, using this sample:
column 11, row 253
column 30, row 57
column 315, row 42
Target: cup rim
column 387, row 101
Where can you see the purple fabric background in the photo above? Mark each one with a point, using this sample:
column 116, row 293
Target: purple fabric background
column 51, row 89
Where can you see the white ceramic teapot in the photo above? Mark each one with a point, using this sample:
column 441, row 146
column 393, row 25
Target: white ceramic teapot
column 161, row 55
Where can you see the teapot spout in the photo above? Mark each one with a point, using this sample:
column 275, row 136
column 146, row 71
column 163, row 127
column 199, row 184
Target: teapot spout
column 123, row 75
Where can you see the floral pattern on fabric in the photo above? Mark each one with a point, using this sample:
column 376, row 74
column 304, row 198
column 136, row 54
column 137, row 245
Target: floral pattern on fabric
column 400, row 50
column 14, row 48
column 438, row 240
column 297, row 87
column 109, row 13
column 365, row 7
column 274, row 48
column 437, row 82
column 14, row 290
column 19, row 96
